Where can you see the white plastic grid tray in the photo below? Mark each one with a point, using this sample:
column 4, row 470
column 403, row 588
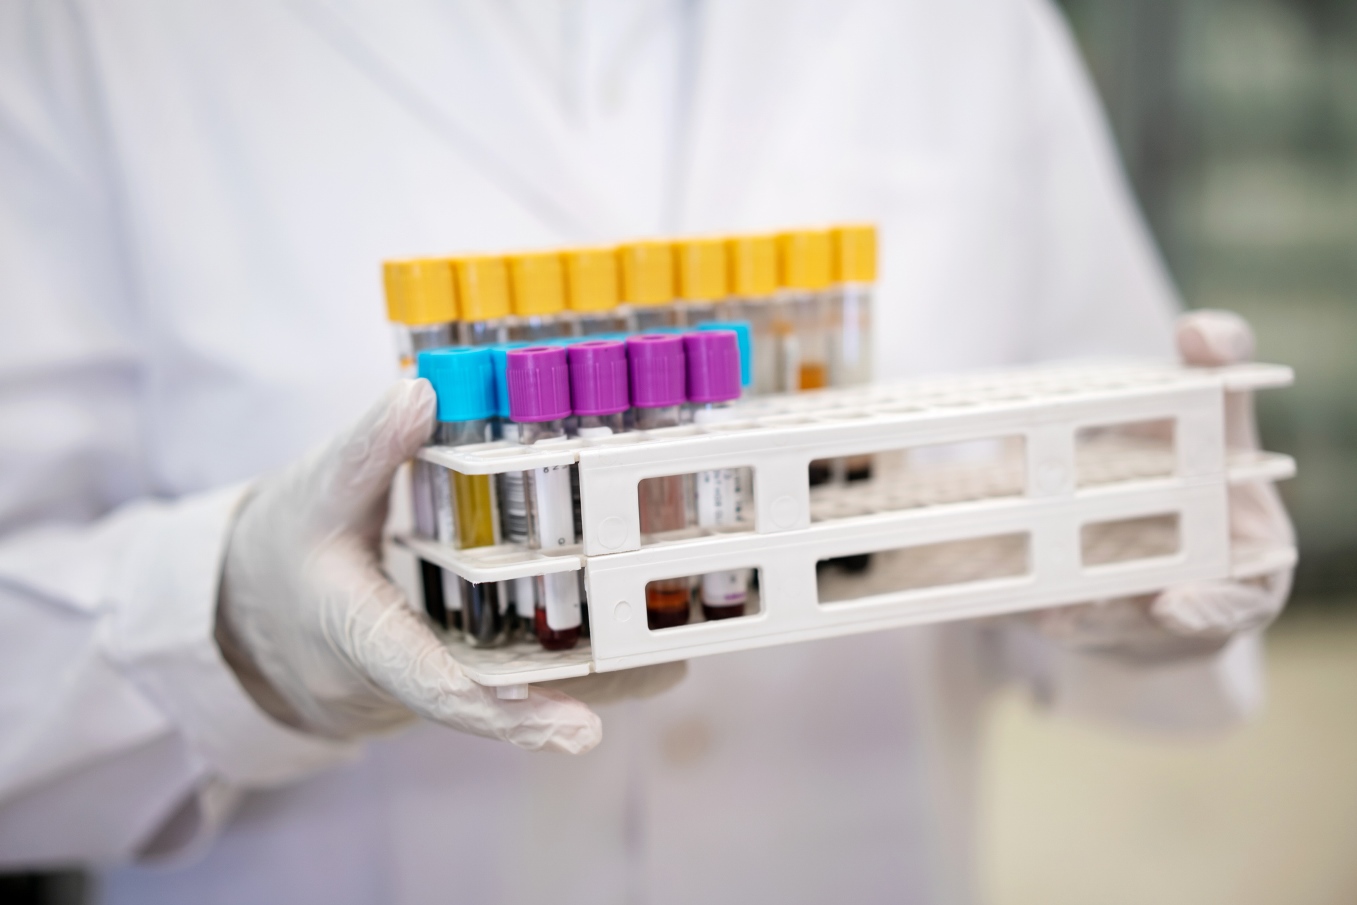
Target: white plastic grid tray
column 1045, row 496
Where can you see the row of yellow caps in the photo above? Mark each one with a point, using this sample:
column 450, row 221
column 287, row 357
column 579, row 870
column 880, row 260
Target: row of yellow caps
column 486, row 287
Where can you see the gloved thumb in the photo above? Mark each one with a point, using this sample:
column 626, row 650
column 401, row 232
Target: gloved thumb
column 354, row 472
column 1215, row 609
column 1211, row 338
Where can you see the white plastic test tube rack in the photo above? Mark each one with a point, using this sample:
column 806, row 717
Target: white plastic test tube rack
column 1096, row 482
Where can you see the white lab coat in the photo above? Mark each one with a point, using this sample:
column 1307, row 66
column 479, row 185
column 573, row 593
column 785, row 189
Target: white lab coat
column 194, row 198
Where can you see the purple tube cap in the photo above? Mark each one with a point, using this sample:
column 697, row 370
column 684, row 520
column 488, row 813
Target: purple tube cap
column 538, row 378
column 598, row 377
column 713, row 365
column 657, row 370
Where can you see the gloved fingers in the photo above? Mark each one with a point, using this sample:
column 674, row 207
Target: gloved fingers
column 390, row 644
column 1211, row 338
column 354, row 474
column 610, row 687
column 1218, row 609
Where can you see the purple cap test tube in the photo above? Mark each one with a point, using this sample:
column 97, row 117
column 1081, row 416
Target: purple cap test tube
column 539, row 384
column 657, row 370
column 598, row 377
column 713, row 366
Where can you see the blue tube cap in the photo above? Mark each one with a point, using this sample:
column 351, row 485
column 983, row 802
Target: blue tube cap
column 500, row 356
column 743, row 334
column 463, row 379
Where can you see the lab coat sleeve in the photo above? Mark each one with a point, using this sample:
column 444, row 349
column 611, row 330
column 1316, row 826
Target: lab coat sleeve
column 117, row 712
column 1103, row 290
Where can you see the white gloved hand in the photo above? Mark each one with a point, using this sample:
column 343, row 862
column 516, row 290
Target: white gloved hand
column 1198, row 615
column 319, row 635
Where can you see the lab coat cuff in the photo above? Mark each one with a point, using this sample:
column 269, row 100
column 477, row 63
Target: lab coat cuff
column 162, row 635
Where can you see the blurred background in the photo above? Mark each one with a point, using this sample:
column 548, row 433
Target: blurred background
column 1237, row 123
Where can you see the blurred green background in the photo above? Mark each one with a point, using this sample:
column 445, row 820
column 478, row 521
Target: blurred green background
column 1237, row 123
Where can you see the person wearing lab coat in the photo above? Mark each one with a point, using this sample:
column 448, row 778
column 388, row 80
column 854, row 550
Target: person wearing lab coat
column 203, row 666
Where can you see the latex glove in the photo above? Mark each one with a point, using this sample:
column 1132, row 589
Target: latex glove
column 1198, row 615
column 319, row 635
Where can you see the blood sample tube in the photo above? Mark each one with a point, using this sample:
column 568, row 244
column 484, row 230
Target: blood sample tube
column 804, row 327
column 656, row 365
column 539, row 402
column 592, row 293
column 722, row 496
column 753, row 285
column 854, row 271
column 703, row 280
column 599, row 388
column 483, row 299
column 647, row 270
column 465, row 504
column 744, row 338
column 537, row 297
column 421, row 304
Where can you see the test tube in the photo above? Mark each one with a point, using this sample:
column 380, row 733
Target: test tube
column 421, row 304
column 656, row 366
column 599, row 388
column 539, row 402
column 592, row 291
column 744, row 338
column 854, row 271
column 753, row 285
column 512, row 496
column 537, row 297
column 722, row 496
column 703, row 280
column 483, row 299
column 803, row 284
column 648, row 289
column 465, row 504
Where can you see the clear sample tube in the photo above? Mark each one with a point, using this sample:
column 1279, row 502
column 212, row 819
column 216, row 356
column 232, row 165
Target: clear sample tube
column 703, row 280
column 657, row 371
column 483, row 299
column 537, row 297
column 648, row 289
column 723, row 497
column 803, row 284
column 421, row 304
column 465, row 505
column 539, row 402
column 592, row 292
column 752, row 263
column 850, row 317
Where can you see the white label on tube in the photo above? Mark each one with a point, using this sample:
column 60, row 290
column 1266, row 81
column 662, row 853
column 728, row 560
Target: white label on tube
column 561, row 600
column 442, row 496
column 555, row 510
column 421, row 492
column 719, row 497
column 725, row 588
column 525, row 597
column 515, row 507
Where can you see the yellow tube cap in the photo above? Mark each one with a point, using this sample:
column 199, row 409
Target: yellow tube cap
column 702, row 271
column 803, row 259
column 647, row 272
column 854, row 252
column 536, row 284
column 420, row 291
column 482, row 287
column 753, row 265
column 590, row 278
